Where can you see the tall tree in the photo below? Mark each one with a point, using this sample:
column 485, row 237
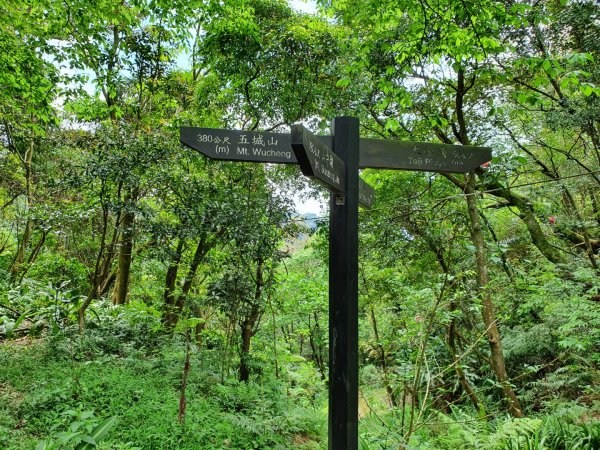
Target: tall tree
column 254, row 252
column 29, row 86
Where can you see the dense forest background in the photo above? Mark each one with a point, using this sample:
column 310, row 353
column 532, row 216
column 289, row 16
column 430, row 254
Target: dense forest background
column 151, row 298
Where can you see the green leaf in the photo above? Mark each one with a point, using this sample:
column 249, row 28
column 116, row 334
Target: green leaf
column 580, row 58
column 586, row 89
column 43, row 445
column 89, row 440
column 98, row 433
column 344, row 82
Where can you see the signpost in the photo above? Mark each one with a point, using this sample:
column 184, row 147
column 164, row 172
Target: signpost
column 262, row 146
column 234, row 145
column 422, row 156
column 317, row 160
column 366, row 194
column 334, row 162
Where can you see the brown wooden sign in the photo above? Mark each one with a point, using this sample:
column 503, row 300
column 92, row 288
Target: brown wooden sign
column 317, row 160
column 265, row 147
column 366, row 194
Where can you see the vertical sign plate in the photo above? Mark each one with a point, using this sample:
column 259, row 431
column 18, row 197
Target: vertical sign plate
column 317, row 161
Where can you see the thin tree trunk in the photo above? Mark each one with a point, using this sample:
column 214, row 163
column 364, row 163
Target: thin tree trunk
column 201, row 250
column 95, row 278
column 274, row 329
column 24, row 241
column 445, row 265
column 322, row 352
column 184, row 378
column 245, row 350
column 460, row 373
column 104, row 274
column 32, row 256
column 121, row 290
column 225, row 355
column 383, row 360
column 170, row 281
column 249, row 323
column 487, row 311
column 317, row 356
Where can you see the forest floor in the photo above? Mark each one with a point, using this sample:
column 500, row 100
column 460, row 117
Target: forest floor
column 56, row 393
column 45, row 397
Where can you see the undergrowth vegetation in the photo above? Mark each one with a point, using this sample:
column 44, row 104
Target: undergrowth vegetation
column 153, row 298
column 53, row 389
column 124, row 377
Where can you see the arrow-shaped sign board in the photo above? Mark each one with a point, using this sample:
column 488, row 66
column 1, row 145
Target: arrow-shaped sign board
column 235, row 145
column 366, row 194
column 316, row 159
column 424, row 156
column 262, row 146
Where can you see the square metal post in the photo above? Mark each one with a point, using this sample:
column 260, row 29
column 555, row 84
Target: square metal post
column 343, row 294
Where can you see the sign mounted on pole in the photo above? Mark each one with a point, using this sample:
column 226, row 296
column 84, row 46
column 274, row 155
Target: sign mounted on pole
column 366, row 194
column 262, row 146
column 422, row 156
column 317, row 161
column 234, row 145
column 337, row 170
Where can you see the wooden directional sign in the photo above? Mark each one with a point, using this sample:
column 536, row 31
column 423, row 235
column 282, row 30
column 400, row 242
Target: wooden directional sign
column 423, row 156
column 316, row 159
column 234, row 145
column 337, row 169
column 265, row 147
column 366, row 194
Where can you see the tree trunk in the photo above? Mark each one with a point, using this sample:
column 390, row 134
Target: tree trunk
column 487, row 311
column 104, row 275
column 316, row 349
column 170, row 281
column 95, row 278
column 245, row 350
column 249, row 323
column 176, row 307
column 121, row 290
column 16, row 267
column 184, row 378
column 383, row 360
column 460, row 373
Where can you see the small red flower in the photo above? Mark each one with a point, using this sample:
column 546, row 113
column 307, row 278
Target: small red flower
column 551, row 220
column 485, row 165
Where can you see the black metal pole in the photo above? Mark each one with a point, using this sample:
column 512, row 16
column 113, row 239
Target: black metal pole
column 343, row 294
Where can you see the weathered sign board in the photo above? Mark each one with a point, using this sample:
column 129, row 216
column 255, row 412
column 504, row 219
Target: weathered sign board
column 317, row 160
column 366, row 194
column 334, row 162
column 262, row 146
column 421, row 156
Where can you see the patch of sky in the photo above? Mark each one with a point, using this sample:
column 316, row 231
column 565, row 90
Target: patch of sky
column 306, row 6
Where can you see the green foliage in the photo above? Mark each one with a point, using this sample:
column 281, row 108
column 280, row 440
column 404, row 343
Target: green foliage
column 84, row 432
column 95, row 189
column 56, row 397
column 561, row 434
column 43, row 306
column 129, row 331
